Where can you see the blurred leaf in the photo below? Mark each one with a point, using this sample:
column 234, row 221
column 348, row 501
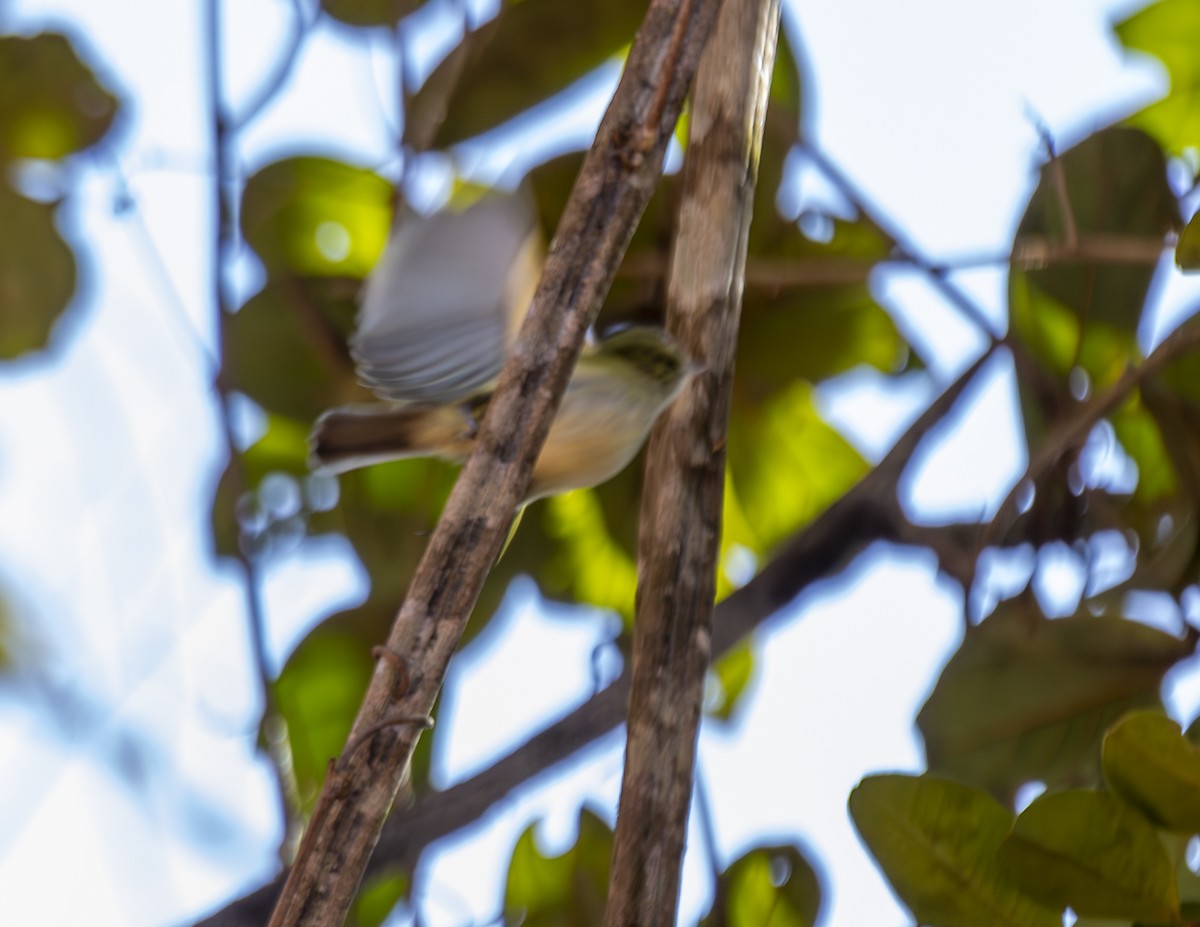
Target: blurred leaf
column 589, row 566
column 1028, row 699
column 1150, row 763
column 378, row 898
column 1094, row 853
column 1115, row 184
column 1142, row 440
column 810, row 329
column 370, row 12
column 1187, row 249
column 936, row 842
column 318, row 693
column 788, row 465
column 1169, row 30
column 810, row 334
column 528, row 53
column 1183, row 374
column 37, row 273
column 1059, row 340
column 282, row 449
column 286, row 348
column 560, row 891
column 310, row 216
column 731, row 675
column 51, row 103
column 771, row 886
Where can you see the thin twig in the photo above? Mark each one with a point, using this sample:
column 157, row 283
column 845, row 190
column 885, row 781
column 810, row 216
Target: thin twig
column 909, row 252
column 274, row 747
column 285, row 64
column 1068, row 436
column 1029, row 252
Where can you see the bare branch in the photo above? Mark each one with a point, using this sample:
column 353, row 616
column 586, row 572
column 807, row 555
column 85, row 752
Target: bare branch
column 615, row 183
column 680, row 522
column 274, row 748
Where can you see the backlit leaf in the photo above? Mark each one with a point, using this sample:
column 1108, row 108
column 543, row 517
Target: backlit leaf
column 936, row 842
column 771, row 886
column 286, row 348
column 1028, row 699
column 1113, row 183
column 318, row 693
column 560, row 891
column 1187, row 249
column 731, row 675
column 1169, row 30
column 1094, row 853
column 1150, row 763
column 529, row 52
column 787, row 463
column 369, row 12
column 37, row 274
column 310, row 216
column 51, row 103
column 377, row 899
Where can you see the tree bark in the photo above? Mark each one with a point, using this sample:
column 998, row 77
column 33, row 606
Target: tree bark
column 680, row 523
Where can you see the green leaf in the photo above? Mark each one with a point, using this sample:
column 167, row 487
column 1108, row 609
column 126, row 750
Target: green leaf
column 378, row 898
column 1057, row 337
column 1187, row 249
column 1170, row 31
column 1028, row 699
column 560, row 891
column 936, row 841
column 37, row 274
column 1183, row 374
column 824, row 322
column 51, row 103
column 813, row 335
column 771, row 886
column 1115, row 184
column 788, row 465
column 368, row 13
column 731, row 676
column 318, row 693
column 1141, row 437
column 529, row 52
column 286, row 347
column 589, row 565
column 1094, row 853
column 312, row 216
column 1150, row 763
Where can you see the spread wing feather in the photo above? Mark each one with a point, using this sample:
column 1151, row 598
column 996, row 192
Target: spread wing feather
column 436, row 318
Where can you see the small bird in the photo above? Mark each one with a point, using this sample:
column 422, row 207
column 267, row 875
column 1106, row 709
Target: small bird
column 439, row 313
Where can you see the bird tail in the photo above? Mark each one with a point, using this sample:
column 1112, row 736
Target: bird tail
column 355, row 436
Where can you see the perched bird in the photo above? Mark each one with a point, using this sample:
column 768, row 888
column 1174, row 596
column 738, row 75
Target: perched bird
column 439, row 313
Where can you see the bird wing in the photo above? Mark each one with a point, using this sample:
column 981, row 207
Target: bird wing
column 444, row 302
